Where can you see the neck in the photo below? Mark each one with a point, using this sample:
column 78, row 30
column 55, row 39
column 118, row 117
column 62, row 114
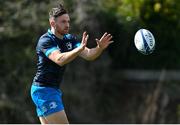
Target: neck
column 56, row 33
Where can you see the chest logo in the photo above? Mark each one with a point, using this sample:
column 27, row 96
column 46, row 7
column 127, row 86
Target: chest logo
column 69, row 45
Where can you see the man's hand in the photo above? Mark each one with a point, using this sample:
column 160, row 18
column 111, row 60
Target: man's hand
column 84, row 41
column 105, row 40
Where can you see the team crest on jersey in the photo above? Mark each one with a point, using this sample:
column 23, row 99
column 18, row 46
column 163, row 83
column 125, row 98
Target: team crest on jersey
column 69, row 45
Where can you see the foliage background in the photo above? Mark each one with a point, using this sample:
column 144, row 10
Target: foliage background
column 94, row 92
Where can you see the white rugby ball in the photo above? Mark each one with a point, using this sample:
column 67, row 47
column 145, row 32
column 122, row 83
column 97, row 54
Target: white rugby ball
column 144, row 41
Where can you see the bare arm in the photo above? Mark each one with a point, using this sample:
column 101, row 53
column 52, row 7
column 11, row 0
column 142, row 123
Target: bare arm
column 91, row 54
column 103, row 43
column 66, row 57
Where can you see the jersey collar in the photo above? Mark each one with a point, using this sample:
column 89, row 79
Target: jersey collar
column 52, row 35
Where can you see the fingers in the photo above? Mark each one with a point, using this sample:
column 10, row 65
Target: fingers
column 106, row 37
column 97, row 40
column 105, row 34
column 111, row 42
column 84, row 36
column 84, row 39
column 109, row 37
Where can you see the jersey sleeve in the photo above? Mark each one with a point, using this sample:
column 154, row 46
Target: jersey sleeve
column 46, row 46
column 76, row 43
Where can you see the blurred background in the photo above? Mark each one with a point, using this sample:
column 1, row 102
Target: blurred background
column 122, row 86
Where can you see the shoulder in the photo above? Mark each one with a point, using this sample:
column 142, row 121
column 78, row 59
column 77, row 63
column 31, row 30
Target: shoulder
column 44, row 37
column 44, row 40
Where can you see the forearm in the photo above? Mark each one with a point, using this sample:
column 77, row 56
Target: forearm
column 66, row 57
column 92, row 54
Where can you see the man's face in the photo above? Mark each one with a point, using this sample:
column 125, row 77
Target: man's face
column 62, row 24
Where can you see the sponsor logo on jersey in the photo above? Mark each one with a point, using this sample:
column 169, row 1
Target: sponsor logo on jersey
column 52, row 105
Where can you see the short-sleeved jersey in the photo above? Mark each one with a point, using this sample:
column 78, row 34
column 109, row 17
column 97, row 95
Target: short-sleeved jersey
column 48, row 72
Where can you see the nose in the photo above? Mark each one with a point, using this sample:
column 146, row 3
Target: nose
column 67, row 25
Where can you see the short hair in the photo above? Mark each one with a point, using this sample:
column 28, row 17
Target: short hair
column 57, row 11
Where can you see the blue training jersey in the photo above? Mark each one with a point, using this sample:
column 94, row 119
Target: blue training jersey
column 48, row 72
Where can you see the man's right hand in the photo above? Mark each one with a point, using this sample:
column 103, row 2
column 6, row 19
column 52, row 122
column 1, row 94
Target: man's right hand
column 84, row 41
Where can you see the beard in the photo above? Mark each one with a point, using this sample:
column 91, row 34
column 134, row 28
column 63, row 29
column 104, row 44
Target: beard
column 62, row 30
column 66, row 30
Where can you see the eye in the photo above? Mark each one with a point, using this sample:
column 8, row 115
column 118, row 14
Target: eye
column 63, row 21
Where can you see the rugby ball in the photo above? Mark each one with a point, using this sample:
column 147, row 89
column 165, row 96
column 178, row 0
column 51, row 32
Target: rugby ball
column 144, row 41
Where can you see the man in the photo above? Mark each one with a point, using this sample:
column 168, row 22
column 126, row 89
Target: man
column 55, row 49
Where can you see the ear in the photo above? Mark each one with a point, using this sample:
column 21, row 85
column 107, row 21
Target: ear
column 52, row 22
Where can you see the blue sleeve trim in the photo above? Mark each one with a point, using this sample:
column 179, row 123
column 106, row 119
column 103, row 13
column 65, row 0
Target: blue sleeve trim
column 77, row 45
column 50, row 50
